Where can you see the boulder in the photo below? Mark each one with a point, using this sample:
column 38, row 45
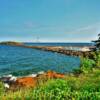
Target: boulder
column 52, row 74
column 27, row 82
column 30, row 81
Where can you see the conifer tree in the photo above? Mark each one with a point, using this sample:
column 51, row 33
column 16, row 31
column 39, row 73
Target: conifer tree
column 97, row 43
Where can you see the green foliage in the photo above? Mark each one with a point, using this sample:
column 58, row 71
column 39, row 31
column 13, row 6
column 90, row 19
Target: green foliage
column 89, row 86
column 71, row 88
column 97, row 59
column 77, row 71
column 87, row 65
column 55, row 89
column 1, row 88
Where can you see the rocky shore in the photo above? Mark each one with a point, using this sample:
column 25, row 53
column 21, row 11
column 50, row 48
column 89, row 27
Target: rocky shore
column 14, row 83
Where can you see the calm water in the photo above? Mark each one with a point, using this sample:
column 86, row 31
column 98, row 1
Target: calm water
column 60, row 44
column 23, row 61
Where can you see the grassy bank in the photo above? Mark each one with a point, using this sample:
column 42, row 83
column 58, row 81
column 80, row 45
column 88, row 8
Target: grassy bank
column 83, row 84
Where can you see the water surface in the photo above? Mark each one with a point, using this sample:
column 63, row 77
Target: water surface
column 23, row 61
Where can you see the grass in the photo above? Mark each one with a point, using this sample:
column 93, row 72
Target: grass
column 84, row 86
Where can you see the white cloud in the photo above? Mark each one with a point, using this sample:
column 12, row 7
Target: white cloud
column 94, row 28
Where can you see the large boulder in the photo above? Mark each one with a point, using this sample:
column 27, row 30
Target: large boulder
column 27, row 82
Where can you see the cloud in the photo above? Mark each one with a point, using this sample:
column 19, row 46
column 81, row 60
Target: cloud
column 87, row 29
column 30, row 28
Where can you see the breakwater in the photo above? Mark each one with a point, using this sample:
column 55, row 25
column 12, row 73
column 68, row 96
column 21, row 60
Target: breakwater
column 57, row 49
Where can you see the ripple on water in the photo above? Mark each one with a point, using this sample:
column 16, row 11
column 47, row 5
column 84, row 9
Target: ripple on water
column 23, row 61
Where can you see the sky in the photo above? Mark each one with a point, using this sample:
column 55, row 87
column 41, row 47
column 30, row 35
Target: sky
column 49, row 20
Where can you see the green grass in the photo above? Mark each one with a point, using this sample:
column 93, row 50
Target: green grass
column 84, row 87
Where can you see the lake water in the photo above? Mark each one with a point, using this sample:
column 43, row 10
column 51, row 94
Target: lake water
column 24, row 61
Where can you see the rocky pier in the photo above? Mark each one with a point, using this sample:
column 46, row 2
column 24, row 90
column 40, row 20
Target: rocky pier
column 57, row 49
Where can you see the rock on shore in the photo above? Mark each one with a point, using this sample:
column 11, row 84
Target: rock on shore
column 12, row 82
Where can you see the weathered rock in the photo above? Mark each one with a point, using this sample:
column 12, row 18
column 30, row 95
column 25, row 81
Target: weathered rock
column 30, row 81
column 52, row 74
column 27, row 82
column 33, row 81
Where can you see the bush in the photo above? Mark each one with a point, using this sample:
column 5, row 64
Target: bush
column 87, row 65
column 97, row 59
column 77, row 71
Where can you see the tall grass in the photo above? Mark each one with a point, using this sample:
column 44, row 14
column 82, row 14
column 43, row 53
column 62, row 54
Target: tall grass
column 84, row 87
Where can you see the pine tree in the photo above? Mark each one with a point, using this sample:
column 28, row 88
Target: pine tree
column 97, row 43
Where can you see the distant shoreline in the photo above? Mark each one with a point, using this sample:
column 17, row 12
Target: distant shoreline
column 80, row 44
column 83, row 51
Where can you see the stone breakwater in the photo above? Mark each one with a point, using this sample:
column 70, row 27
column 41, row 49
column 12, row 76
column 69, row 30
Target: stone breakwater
column 57, row 49
column 14, row 83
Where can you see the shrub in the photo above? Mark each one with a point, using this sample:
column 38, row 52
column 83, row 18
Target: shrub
column 97, row 59
column 77, row 71
column 87, row 65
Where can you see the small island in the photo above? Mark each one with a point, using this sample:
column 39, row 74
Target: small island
column 11, row 43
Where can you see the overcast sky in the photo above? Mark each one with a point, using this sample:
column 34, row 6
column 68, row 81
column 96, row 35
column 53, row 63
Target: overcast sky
column 49, row 20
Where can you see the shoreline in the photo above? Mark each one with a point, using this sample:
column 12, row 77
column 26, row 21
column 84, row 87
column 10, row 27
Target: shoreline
column 66, row 50
column 32, row 80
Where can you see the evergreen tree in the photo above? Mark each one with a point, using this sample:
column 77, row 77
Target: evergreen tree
column 97, row 43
